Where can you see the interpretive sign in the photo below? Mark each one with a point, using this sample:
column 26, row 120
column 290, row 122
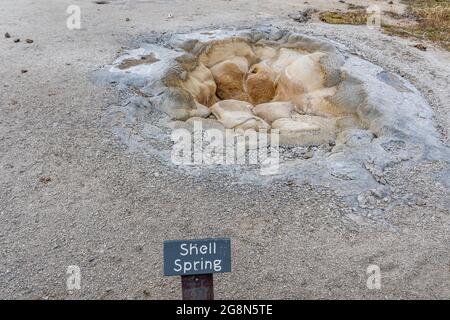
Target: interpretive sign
column 193, row 257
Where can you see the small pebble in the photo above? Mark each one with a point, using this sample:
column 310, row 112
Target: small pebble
column 420, row 47
column 45, row 179
column 7, row 35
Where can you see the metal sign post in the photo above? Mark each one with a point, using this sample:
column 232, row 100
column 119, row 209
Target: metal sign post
column 196, row 261
column 198, row 287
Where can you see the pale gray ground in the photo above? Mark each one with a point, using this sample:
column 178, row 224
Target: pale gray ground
column 108, row 210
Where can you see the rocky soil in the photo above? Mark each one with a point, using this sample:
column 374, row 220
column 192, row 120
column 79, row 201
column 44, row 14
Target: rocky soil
column 72, row 193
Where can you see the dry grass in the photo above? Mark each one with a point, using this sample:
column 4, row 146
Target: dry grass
column 431, row 17
column 358, row 17
column 433, row 21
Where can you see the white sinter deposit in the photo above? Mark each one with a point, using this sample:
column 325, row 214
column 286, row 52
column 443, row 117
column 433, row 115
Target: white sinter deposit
column 342, row 120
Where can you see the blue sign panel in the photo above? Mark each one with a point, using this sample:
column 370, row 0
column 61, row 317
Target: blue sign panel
column 189, row 257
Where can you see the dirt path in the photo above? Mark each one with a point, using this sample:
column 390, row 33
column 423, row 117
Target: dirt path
column 71, row 194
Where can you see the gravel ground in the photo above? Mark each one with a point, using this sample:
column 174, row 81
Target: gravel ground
column 71, row 194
